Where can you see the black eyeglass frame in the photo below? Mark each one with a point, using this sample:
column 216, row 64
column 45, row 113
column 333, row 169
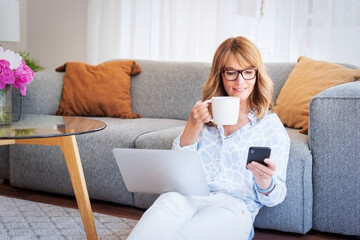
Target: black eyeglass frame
column 240, row 72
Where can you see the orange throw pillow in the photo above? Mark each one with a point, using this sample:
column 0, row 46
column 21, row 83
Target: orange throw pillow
column 98, row 90
column 308, row 78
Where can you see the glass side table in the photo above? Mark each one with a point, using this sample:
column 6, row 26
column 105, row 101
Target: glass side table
column 59, row 131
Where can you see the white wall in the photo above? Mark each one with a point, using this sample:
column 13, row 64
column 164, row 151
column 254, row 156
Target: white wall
column 20, row 46
column 52, row 31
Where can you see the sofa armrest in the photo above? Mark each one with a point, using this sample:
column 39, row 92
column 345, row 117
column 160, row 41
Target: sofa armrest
column 334, row 138
column 334, row 113
column 43, row 93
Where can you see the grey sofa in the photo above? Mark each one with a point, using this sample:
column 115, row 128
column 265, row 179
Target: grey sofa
column 323, row 170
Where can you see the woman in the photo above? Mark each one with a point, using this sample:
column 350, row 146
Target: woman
column 238, row 190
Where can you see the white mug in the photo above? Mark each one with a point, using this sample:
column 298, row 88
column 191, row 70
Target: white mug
column 225, row 110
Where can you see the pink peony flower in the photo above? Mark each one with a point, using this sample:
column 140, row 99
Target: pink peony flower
column 23, row 75
column 6, row 74
column 14, row 71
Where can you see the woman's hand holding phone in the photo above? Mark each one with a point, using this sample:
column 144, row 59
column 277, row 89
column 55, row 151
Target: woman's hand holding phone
column 262, row 168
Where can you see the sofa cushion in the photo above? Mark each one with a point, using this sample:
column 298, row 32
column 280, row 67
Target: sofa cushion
column 162, row 139
column 101, row 90
column 308, row 78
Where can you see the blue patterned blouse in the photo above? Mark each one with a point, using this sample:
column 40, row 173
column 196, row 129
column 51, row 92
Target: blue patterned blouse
column 224, row 159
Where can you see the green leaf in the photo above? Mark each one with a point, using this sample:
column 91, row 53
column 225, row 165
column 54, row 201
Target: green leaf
column 31, row 62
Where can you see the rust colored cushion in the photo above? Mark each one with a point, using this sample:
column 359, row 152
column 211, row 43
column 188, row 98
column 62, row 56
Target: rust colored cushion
column 98, row 90
column 308, row 78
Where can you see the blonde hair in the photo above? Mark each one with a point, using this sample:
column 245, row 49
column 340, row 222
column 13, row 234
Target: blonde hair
column 246, row 52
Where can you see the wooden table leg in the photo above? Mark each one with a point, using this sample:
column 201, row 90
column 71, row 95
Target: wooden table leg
column 70, row 150
column 71, row 153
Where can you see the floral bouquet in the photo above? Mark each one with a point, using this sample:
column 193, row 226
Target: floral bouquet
column 14, row 71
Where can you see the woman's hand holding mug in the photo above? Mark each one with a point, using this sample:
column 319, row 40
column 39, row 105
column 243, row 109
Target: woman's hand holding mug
column 200, row 113
column 225, row 111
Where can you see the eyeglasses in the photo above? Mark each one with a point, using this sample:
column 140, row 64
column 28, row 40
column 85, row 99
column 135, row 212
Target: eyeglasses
column 247, row 74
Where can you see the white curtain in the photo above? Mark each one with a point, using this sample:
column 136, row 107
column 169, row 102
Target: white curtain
column 326, row 30
column 191, row 30
column 178, row 30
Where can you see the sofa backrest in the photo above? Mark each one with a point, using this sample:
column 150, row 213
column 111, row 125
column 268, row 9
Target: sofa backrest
column 43, row 93
column 167, row 89
column 162, row 90
column 171, row 89
column 279, row 72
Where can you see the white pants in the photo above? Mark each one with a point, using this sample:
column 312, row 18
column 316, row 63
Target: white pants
column 175, row 216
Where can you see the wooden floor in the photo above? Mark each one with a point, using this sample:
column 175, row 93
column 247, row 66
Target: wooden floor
column 135, row 213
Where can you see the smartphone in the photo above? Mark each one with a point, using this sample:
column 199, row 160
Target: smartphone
column 258, row 154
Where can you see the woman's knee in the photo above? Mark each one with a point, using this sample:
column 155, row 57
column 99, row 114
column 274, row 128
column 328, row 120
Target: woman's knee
column 172, row 199
column 175, row 203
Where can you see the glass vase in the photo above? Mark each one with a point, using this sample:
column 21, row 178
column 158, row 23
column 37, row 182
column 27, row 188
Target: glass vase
column 6, row 106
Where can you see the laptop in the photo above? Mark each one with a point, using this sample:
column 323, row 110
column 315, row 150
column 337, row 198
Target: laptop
column 161, row 171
